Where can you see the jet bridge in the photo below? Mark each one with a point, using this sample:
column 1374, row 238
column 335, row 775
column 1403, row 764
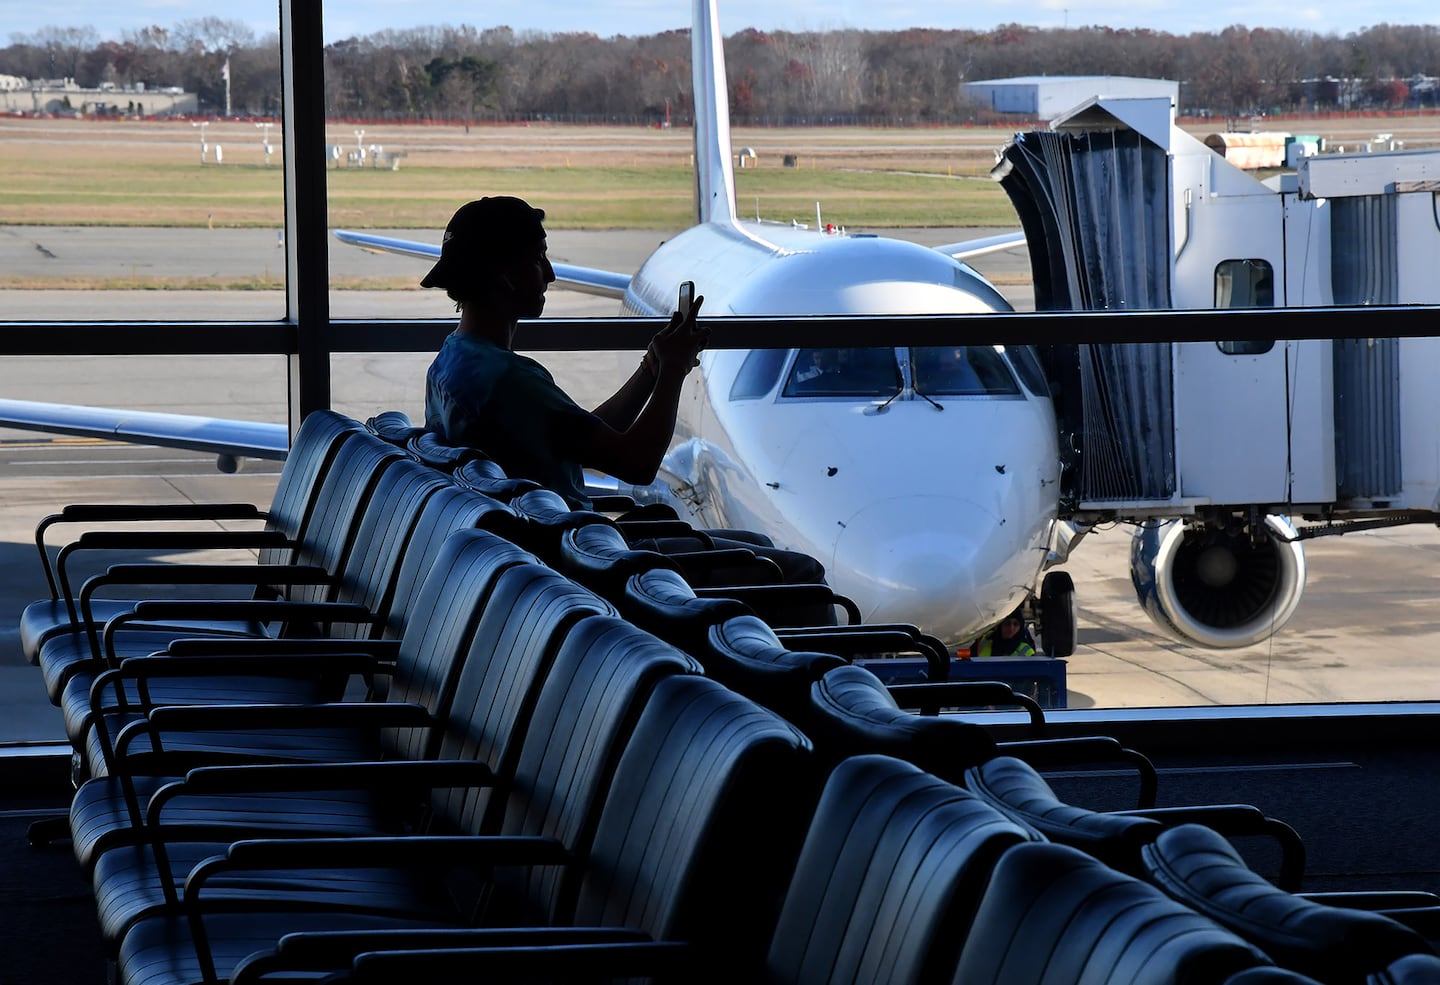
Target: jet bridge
column 1125, row 211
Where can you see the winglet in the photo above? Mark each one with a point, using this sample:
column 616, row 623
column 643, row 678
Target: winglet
column 714, row 172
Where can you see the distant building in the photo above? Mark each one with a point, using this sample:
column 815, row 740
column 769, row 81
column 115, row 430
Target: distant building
column 63, row 96
column 1044, row 97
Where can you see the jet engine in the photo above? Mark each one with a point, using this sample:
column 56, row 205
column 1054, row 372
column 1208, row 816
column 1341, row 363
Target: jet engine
column 1218, row 586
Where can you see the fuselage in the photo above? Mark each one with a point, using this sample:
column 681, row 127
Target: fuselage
column 927, row 508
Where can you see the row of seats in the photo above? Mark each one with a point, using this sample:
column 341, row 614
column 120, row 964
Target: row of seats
column 443, row 742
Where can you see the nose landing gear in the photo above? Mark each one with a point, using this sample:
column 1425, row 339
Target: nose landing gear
column 1055, row 614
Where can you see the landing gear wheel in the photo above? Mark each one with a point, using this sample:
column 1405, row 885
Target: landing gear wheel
column 1057, row 614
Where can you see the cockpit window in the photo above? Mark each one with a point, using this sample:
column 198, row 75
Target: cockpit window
column 844, row 373
column 961, row 370
column 1027, row 365
column 758, row 373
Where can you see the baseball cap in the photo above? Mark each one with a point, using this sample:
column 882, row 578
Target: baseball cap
column 483, row 231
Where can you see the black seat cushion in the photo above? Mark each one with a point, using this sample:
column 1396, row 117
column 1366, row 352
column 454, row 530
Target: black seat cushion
column 1056, row 915
column 1335, row 944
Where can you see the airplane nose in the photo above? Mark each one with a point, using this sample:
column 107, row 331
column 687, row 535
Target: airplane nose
column 926, row 560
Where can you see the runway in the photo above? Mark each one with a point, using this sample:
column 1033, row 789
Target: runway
column 1365, row 630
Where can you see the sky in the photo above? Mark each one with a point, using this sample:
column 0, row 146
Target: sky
column 347, row 18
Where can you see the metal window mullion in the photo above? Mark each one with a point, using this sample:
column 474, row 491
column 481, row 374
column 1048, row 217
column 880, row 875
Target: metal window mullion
column 307, row 250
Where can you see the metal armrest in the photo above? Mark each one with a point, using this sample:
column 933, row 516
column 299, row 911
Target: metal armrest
column 255, row 575
column 381, row 651
column 929, row 698
column 132, row 512
column 756, row 596
column 154, row 613
column 1050, row 753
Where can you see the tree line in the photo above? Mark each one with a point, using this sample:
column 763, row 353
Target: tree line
column 463, row 73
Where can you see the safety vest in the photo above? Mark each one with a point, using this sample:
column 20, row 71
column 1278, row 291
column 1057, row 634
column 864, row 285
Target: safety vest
column 1023, row 650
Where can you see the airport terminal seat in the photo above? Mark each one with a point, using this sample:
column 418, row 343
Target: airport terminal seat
column 1117, row 837
column 545, row 730
column 1054, row 914
column 308, row 574
column 111, row 809
column 1335, row 945
column 689, row 814
column 284, row 521
column 744, row 654
column 600, row 555
column 550, row 517
column 519, row 745
column 356, row 605
column 1269, row 975
column 663, row 601
column 427, row 448
column 893, row 863
column 423, row 675
column 1413, row 969
column 484, row 474
column 851, row 711
column 393, row 426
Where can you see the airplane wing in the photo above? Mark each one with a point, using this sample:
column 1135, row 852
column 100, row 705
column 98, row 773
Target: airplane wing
column 229, row 440
column 585, row 280
column 971, row 248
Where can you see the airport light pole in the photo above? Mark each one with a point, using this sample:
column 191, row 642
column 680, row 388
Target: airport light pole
column 265, row 141
column 359, row 148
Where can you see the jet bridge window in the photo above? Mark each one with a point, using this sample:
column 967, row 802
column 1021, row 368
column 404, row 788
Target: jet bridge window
column 961, row 370
column 853, row 372
column 1245, row 284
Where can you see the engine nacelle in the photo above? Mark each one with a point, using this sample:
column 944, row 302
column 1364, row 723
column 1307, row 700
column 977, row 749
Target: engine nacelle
column 1218, row 587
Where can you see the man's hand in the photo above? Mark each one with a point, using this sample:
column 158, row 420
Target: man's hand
column 676, row 347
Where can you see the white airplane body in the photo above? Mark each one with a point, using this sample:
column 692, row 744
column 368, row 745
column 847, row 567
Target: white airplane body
column 935, row 514
column 932, row 509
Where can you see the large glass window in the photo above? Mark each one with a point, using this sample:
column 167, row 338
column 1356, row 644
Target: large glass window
column 144, row 184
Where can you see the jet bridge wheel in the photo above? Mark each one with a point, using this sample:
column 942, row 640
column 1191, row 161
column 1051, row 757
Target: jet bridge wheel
column 1057, row 614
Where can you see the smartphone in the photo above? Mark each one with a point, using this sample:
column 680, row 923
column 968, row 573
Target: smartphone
column 687, row 298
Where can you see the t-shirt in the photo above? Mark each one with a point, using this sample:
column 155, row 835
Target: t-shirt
column 479, row 395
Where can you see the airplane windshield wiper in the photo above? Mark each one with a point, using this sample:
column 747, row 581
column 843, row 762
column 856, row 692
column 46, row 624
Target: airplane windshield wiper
column 891, row 399
column 927, row 398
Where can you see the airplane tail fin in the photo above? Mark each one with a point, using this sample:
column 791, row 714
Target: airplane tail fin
column 714, row 172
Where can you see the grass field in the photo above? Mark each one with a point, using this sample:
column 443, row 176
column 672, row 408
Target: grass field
column 149, row 173
column 71, row 172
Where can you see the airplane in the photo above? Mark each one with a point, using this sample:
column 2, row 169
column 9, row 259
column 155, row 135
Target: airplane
column 844, row 466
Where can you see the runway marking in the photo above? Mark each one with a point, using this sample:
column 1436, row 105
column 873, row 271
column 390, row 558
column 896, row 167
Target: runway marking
column 107, row 476
column 49, row 442
column 47, row 463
